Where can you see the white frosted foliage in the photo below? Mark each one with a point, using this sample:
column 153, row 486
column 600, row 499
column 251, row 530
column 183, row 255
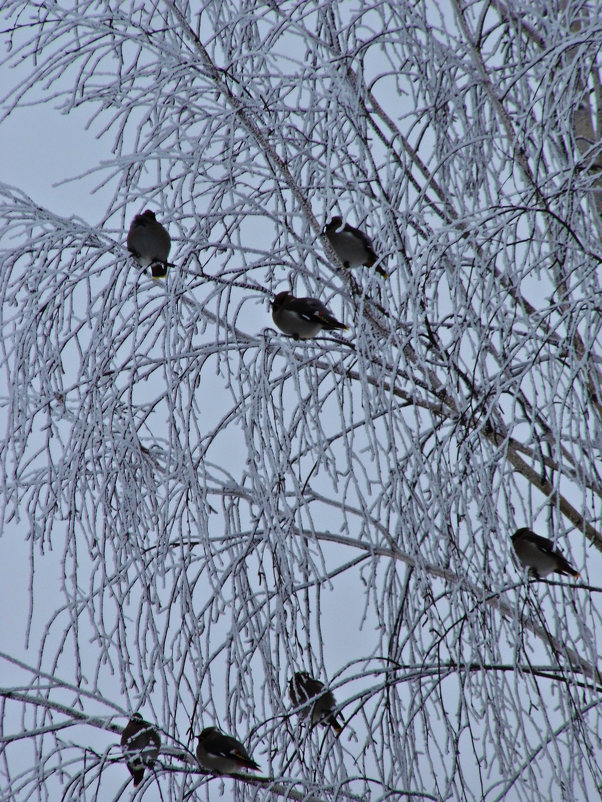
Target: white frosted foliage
column 194, row 506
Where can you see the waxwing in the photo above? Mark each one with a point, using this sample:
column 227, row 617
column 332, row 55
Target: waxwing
column 302, row 318
column 222, row 754
column 303, row 688
column 539, row 555
column 351, row 245
column 140, row 742
column 149, row 243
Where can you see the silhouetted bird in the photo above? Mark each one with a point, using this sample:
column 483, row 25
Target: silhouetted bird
column 149, row 243
column 539, row 555
column 222, row 754
column 303, row 688
column 140, row 742
column 351, row 245
column 302, row 318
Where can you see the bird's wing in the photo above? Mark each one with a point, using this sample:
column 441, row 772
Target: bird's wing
column 359, row 234
column 309, row 308
column 312, row 686
column 544, row 543
column 224, row 746
column 236, row 751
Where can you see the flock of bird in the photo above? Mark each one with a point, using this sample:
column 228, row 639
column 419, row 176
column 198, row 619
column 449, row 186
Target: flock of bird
column 300, row 318
column 217, row 752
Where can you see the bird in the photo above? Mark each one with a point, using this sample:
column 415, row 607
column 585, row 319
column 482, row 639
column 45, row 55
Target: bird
column 302, row 318
column 303, row 688
column 352, row 246
column 149, row 243
column 539, row 555
column 140, row 742
column 222, row 754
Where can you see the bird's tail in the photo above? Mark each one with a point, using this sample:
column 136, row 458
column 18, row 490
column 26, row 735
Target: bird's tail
column 330, row 323
column 247, row 762
column 138, row 775
column 159, row 269
column 371, row 261
column 333, row 721
column 567, row 569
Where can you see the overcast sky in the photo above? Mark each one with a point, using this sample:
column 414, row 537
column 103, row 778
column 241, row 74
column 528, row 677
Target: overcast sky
column 189, row 516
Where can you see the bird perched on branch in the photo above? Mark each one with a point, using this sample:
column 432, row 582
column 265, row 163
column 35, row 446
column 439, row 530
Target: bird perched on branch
column 222, row 754
column 302, row 318
column 539, row 555
column 303, row 688
column 149, row 243
column 140, row 742
column 351, row 245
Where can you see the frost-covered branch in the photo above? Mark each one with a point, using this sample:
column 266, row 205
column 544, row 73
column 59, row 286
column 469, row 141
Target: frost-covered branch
column 195, row 507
